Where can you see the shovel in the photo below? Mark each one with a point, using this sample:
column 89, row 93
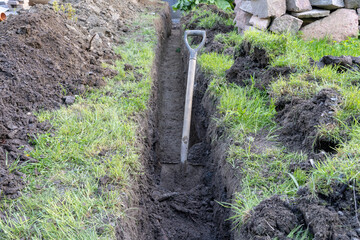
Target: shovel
column 190, row 91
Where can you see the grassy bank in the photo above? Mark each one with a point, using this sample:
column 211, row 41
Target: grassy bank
column 82, row 187
column 248, row 116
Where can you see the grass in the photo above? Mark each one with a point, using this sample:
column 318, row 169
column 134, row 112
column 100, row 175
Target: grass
column 299, row 234
column 244, row 109
column 246, row 116
column 92, row 141
column 230, row 39
column 207, row 19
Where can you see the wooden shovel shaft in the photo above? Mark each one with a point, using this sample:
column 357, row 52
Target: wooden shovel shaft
column 190, row 91
column 187, row 112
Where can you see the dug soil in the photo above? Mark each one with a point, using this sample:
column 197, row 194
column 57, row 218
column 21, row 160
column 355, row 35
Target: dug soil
column 44, row 62
column 181, row 202
column 46, row 58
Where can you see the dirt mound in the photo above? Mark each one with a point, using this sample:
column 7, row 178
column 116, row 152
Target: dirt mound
column 105, row 20
column 253, row 62
column 43, row 61
column 343, row 62
column 271, row 218
column 326, row 217
column 322, row 222
column 300, row 119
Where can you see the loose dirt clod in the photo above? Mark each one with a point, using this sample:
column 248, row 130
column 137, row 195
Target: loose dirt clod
column 254, row 63
column 270, row 219
column 300, row 120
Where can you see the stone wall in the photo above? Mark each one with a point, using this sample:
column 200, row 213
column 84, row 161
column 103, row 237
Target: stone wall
column 337, row 19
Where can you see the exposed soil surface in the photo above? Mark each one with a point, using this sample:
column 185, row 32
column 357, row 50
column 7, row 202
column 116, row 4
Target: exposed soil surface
column 254, row 62
column 343, row 63
column 44, row 62
column 181, row 202
column 328, row 217
column 300, row 119
column 106, row 21
column 171, row 93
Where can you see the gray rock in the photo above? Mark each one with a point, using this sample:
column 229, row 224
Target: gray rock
column 260, row 23
column 69, row 100
column 286, row 23
column 298, row 5
column 249, row 27
column 352, row 4
column 339, row 25
column 246, row 6
column 268, row 8
column 242, row 19
column 315, row 13
column 328, row 4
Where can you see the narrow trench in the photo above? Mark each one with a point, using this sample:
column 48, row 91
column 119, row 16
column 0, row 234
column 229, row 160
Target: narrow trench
column 182, row 203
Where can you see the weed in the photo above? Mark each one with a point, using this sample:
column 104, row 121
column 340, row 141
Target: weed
column 230, row 39
column 299, row 233
column 208, row 19
column 66, row 9
column 186, row 5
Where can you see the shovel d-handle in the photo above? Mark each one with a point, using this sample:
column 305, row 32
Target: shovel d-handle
column 190, row 91
column 201, row 33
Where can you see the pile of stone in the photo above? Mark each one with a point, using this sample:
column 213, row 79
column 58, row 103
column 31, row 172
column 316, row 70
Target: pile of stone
column 338, row 19
column 11, row 6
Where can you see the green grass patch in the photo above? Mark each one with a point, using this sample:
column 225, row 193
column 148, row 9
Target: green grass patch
column 244, row 109
column 290, row 50
column 230, row 39
column 208, row 19
column 81, row 188
column 215, row 64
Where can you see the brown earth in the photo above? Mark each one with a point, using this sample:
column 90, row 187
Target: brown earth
column 299, row 119
column 44, row 62
column 327, row 217
column 181, row 202
column 254, row 63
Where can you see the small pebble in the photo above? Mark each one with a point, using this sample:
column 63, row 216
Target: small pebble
column 69, row 100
